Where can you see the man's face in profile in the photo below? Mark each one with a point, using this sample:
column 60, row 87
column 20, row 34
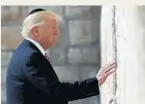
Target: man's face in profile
column 49, row 31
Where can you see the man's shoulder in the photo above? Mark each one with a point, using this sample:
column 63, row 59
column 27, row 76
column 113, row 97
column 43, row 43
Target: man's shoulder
column 24, row 53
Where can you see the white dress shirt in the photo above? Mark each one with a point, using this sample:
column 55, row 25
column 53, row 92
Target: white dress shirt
column 37, row 45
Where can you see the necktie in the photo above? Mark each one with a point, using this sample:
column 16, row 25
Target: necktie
column 46, row 56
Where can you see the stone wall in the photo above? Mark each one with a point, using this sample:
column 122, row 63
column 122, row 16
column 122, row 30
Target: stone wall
column 130, row 36
column 76, row 56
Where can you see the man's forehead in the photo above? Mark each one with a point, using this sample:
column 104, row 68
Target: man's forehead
column 48, row 17
column 52, row 21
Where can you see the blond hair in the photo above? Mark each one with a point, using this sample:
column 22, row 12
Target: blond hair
column 37, row 19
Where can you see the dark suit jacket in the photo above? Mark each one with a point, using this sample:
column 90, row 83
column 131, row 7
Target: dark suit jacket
column 31, row 79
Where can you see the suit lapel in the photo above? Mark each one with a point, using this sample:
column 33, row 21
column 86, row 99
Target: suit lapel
column 28, row 43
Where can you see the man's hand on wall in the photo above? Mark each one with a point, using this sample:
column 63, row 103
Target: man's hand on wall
column 105, row 71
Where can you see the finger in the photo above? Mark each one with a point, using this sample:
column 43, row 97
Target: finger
column 105, row 67
column 110, row 72
column 111, row 63
column 110, row 67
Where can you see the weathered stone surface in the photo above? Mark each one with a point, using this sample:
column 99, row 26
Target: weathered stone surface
column 58, row 55
column 82, row 32
column 12, row 15
column 83, row 12
column 88, row 71
column 3, row 47
column 74, row 55
column 5, row 57
column 11, row 30
column 67, row 72
column 89, row 55
column 11, row 36
column 3, row 97
column 76, row 72
column 130, row 74
column 3, row 84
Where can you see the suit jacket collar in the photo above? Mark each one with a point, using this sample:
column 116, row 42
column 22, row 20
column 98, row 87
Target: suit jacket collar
column 36, row 44
column 30, row 44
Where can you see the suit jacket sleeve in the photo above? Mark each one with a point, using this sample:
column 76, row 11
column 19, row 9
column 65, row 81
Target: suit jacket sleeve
column 39, row 74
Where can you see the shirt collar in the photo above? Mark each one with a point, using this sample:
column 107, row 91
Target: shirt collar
column 37, row 45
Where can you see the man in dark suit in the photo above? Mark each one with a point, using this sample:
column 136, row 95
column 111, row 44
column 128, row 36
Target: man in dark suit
column 31, row 78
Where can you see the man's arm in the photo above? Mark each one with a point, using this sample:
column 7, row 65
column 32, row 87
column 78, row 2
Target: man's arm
column 41, row 77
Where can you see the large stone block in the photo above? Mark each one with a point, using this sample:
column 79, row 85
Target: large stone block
column 76, row 72
column 3, row 47
column 11, row 37
column 83, row 32
column 3, row 84
column 57, row 55
column 5, row 58
column 67, row 73
column 12, row 15
column 83, row 12
column 88, row 71
column 87, row 55
column 3, row 96
column 11, row 30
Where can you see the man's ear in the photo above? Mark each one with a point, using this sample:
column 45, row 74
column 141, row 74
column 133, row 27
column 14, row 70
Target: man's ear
column 34, row 31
